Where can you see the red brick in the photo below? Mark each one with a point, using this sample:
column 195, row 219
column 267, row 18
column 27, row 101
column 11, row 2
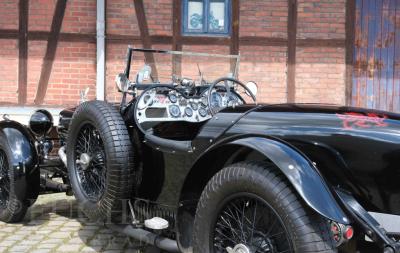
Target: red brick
column 319, row 72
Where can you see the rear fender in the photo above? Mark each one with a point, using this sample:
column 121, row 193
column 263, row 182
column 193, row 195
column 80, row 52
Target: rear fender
column 21, row 142
column 301, row 173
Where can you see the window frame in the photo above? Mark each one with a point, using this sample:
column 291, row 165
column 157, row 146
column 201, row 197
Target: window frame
column 206, row 31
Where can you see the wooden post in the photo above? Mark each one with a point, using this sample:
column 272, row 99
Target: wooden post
column 291, row 44
column 51, row 49
column 144, row 33
column 234, row 46
column 23, row 51
column 350, row 36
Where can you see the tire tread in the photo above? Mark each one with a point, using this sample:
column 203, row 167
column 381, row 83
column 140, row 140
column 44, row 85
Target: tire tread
column 119, row 151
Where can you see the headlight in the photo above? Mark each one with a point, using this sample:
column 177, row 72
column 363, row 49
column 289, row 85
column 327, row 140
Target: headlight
column 122, row 82
column 41, row 122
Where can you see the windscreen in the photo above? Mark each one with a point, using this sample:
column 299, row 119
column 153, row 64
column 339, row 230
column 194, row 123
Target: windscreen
column 167, row 65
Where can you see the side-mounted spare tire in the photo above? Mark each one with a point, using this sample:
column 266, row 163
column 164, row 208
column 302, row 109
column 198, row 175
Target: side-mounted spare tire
column 100, row 160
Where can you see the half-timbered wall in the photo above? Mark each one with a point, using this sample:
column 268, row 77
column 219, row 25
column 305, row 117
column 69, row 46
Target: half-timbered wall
column 294, row 49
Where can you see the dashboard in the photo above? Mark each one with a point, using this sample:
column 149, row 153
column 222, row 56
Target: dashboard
column 167, row 104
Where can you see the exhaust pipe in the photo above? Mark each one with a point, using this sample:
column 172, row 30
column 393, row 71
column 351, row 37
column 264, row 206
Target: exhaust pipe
column 51, row 185
column 146, row 237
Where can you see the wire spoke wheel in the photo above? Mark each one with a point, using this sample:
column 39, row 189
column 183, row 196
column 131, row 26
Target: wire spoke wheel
column 90, row 162
column 4, row 180
column 100, row 160
column 248, row 224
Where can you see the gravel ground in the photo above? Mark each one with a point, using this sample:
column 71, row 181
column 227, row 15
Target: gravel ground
column 53, row 224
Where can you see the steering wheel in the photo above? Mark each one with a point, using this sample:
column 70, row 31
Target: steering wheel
column 228, row 91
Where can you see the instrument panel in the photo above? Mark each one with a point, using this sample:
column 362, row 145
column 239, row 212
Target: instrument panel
column 171, row 105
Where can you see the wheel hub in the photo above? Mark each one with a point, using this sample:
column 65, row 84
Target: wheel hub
column 239, row 248
column 84, row 160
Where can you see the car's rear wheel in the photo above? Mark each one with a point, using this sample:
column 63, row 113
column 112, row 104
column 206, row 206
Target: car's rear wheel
column 250, row 207
column 14, row 191
column 100, row 160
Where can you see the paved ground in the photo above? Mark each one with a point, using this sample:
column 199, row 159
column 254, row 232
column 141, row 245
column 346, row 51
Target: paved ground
column 53, row 224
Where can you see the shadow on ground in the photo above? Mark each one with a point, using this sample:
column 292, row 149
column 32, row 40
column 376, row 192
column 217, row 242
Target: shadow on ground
column 54, row 224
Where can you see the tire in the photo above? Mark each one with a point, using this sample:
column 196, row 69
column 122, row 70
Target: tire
column 235, row 192
column 13, row 192
column 109, row 164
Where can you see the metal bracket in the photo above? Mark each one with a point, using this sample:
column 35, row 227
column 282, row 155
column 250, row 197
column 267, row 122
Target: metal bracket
column 135, row 222
column 371, row 227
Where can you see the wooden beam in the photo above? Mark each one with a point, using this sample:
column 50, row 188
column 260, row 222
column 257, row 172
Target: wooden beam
column 9, row 34
column 197, row 40
column 23, row 51
column 350, row 36
column 66, row 37
column 176, row 36
column 166, row 39
column 234, row 45
column 291, row 45
column 144, row 33
column 50, row 50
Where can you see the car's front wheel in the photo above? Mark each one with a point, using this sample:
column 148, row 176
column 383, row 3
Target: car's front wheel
column 250, row 207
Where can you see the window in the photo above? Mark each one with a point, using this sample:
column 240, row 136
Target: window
column 210, row 17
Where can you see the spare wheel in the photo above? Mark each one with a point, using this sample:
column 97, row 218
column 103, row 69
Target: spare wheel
column 100, row 160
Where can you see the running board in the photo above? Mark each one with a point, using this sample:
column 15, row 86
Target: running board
column 146, row 237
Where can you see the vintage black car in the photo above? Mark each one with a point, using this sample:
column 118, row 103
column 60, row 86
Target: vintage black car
column 192, row 165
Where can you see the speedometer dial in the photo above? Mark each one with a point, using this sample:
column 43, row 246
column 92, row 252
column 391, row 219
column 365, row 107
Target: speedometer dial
column 202, row 112
column 188, row 111
column 172, row 98
column 175, row 111
column 194, row 106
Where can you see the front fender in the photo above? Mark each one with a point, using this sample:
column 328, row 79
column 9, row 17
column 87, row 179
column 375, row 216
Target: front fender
column 301, row 173
column 22, row 146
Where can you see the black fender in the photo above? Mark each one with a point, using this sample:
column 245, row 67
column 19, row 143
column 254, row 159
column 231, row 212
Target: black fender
column 301, row 173
column 24, row 158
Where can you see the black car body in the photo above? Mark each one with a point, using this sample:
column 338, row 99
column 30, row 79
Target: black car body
column 342, row 162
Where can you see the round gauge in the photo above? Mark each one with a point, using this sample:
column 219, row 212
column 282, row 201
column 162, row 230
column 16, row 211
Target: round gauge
column 194, row 106
column 216, row 100
column 174, row 111
column 188, row 111
column 148, row 100
column 172, row 98
column 202, row 112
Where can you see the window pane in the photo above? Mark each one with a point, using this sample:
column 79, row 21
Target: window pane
column 195, row 16
column 217, row 19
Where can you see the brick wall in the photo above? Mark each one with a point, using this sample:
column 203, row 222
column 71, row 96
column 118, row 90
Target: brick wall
column 320, row 75
column 319, row 71
column 8, row 53
column 8, row 71
column 74, row 69
column 263, row 18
